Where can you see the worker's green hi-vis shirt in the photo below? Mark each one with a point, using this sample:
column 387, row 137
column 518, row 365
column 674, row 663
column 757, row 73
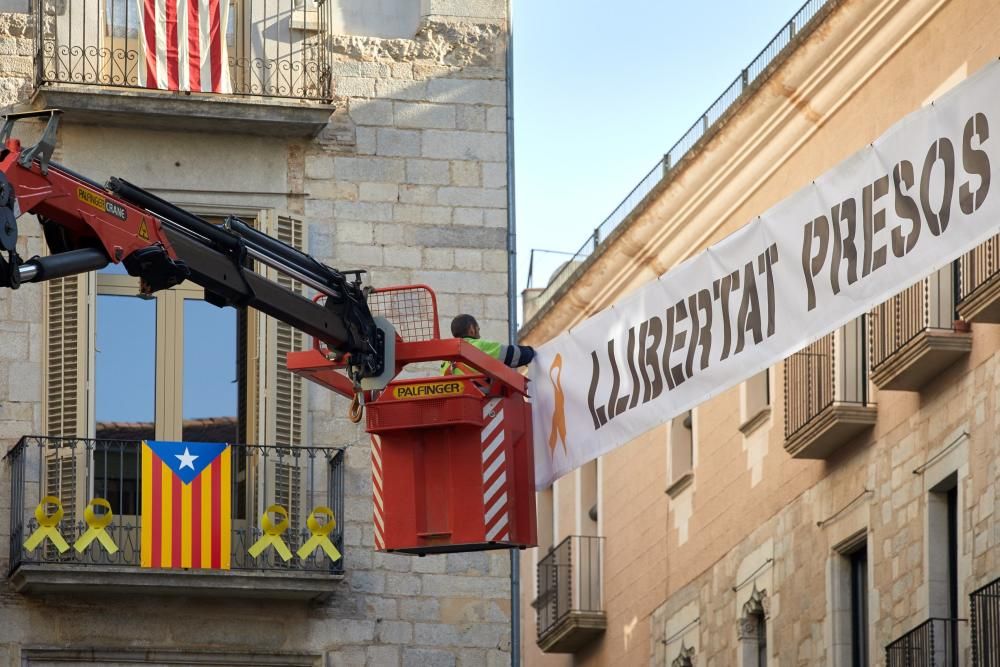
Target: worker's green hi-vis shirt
column 490, row 347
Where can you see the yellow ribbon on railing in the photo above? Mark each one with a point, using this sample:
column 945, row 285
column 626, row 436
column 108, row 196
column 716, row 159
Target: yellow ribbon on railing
column 320, row 532
column 47, row 526
column 97, row 524
column 272, row 533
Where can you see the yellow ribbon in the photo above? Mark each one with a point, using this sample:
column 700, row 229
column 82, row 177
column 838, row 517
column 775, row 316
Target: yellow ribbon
column 47, row 526
column 97, row 525
column 558, row 431
column 320, row 531
column 272, row 533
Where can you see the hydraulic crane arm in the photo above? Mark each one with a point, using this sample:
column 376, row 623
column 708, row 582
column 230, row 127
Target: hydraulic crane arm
column 87, row 226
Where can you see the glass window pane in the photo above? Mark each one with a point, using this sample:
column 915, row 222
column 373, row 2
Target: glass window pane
column 113, row 269
column 117, row 468
column 121, row 18
column 210, row 373
column 125, row 377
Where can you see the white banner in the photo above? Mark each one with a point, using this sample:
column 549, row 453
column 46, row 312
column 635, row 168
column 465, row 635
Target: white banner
column 904, row 206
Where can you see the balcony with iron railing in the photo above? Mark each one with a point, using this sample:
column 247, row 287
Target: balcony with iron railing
column 933, row 643
column 985, row 621
column 916, row 335
column 273, row 75
column 570, row 604
column 826, row 393
column 979, row 283
column 302, row 481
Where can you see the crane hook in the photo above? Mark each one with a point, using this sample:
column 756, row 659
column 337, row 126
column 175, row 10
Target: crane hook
column 357, row 409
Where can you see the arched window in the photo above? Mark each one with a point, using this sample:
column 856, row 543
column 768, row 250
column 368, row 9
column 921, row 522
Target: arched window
column 753, row 630
column 685, row 657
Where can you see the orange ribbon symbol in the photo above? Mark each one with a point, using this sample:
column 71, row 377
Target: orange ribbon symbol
column 558, row 432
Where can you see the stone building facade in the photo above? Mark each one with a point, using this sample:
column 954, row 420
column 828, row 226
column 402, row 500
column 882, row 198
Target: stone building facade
column 399, row 168
column 762, row 528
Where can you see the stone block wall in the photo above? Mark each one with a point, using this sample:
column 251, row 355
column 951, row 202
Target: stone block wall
column 16, row 57
column 412, row 169
column 409, row 181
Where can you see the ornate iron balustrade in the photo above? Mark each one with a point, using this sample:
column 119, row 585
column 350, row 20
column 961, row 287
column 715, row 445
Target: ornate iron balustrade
column 985, row 609
column 928, row 304
column 820, row 375
column 933, row 643
column 276, row 48
column 569, row 580
column 77, row 470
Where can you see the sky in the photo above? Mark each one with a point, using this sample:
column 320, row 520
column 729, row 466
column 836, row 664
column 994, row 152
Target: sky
column 600, row 96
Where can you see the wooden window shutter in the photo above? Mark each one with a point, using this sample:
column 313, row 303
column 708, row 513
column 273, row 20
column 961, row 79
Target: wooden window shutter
column 68, row 352
column 283, row 393
column 288, row 387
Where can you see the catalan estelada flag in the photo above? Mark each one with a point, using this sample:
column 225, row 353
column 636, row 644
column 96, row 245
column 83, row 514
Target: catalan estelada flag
column 186, row 504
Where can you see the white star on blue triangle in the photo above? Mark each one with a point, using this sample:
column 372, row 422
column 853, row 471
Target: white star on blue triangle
column 187, row 459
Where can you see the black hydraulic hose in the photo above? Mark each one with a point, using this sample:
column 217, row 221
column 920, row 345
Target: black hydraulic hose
column 294, row 257
column 147, row 200
column 231, row 242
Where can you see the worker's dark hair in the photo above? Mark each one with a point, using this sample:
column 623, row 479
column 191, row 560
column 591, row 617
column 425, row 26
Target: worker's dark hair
column 460, row 325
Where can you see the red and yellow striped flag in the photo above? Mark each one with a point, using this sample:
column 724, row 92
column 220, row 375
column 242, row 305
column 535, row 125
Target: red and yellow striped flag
column 186, row 505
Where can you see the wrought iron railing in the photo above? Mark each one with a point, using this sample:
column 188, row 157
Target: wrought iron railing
column 978, row 267
column 569, row 580
column 985, row 609
column 823, row 373
column 933, row 643
column 801, row 22
column 275, row 48
column 77, row 470
column 928, row 304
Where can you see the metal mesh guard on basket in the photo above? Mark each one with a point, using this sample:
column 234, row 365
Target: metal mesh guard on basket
column 412, row 309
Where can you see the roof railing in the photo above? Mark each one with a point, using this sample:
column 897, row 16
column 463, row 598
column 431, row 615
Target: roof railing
column 746, row 80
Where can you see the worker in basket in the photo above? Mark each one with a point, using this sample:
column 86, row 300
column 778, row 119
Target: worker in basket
column 466, row 328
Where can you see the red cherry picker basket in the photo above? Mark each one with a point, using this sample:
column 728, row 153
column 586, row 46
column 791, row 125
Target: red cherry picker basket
column 452, row 464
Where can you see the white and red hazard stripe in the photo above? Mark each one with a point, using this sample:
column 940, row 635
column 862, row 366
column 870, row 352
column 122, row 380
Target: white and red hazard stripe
column 377, row 493
column 495, row 484
column 183, row 45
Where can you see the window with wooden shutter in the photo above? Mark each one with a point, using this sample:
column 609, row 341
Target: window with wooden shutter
column 66, row 360
column 288, row 387
column 283, row 392
column 66, row 342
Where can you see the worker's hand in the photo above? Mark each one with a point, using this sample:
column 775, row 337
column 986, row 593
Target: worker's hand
column 527, row 354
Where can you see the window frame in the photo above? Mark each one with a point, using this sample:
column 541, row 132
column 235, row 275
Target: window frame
column 681, row 452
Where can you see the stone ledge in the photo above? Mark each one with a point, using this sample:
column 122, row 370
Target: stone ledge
column 834, row 425
column 682, row 482
column 184, row 112
column 921, row 359
column 32, row 578
column 752, row 424
column 99, row 656
column 573, row 631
